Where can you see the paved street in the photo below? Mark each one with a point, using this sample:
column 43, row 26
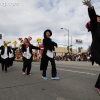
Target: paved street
column 76, row 82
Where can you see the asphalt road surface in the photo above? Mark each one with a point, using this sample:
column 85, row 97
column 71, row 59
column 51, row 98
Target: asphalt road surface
column 76, row 82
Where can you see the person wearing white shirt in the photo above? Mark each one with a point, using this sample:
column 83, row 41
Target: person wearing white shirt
column 12, row 55
column 48, row 55
column 5, row 50
column 27, row 56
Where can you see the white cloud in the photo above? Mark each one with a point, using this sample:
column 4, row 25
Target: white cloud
column 31, row 18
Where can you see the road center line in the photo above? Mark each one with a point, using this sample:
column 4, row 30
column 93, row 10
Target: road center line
column 75, row 71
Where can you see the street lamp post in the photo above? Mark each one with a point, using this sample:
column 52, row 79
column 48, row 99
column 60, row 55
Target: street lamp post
column 70, row 42
column 68, row 37
column 71, row 45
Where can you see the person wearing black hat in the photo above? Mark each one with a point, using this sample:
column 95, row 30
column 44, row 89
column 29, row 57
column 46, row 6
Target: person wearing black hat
column 27, row 55
column 48, row 55
column 95, row 31
column 5, row 50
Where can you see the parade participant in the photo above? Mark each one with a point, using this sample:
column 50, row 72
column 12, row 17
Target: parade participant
column 48, row 55
column 95, row 31
column 5, row 50
column 12, row 55
column 27, row 55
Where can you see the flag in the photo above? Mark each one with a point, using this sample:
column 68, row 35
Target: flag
column 78, row 41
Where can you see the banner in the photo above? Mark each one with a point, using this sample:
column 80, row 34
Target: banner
column 78, row 41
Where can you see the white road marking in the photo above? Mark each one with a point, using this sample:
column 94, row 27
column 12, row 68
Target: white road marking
column 75, row 71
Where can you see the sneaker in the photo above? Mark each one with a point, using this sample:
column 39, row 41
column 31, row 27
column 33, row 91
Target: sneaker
column 23, row 73
column 55, row 78
column 44, row 77
column 98, row 89
column 29, row 74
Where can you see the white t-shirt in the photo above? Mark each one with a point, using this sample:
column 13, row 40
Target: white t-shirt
column 27, row 54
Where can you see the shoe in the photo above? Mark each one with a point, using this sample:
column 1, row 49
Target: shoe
column 55, row 78
column 98, row 89
column 29, row 74
column 23, row 73
column 44, row 77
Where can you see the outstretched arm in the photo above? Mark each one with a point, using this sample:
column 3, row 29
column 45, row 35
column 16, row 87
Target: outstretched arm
column 49, row 42
column 92, row 14
column 34, row 47
column 91, row 11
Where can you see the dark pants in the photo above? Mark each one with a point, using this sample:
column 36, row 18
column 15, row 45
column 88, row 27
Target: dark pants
column 11, row 61
column 97, row 85
column 53, row 70
column 26, row 65
column 5, row 64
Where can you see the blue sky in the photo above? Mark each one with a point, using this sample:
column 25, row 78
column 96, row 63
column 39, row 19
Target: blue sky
column 33, row 17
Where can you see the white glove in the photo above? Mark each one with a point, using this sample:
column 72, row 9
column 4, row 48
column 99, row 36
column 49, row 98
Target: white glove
column 87, row 3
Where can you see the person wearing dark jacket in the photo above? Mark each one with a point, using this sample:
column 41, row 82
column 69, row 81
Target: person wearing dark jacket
column 12, row 55
column 5, row 50
column 95, row 31
column 48, row 55
column 27, row 55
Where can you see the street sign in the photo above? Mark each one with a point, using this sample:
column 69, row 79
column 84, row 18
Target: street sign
column 15, row 42
column 38, row 40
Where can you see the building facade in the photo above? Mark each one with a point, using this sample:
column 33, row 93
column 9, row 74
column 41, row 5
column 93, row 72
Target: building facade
column 63, row 50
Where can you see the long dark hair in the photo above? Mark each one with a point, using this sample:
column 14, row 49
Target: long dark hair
column 27, row 40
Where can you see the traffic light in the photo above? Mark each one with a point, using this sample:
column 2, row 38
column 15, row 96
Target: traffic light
column 0, row 36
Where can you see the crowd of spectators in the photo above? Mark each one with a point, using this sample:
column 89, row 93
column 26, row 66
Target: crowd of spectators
column 74, row 57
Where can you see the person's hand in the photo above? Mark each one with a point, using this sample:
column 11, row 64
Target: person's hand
column 87, row 3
